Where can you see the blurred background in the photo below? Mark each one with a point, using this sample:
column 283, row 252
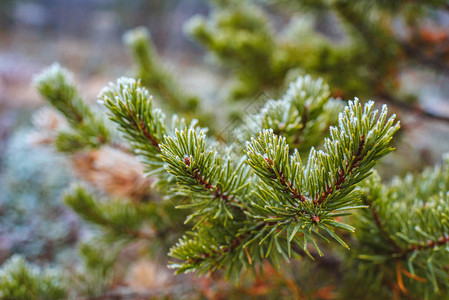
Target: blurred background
column 86, row 37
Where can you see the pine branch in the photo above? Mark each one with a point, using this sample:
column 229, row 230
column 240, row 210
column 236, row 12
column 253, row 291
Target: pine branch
column 118, row 219
column 283, row 202
column 153, row 75
column 441, row 241
column 21, row 280
column 310, row 193
column 56, row 85
column 379, row 225
column 203, row 175
column 292, row 202
column 406, row 225
column 130, row 106
column 303, row 115
column 261, row 205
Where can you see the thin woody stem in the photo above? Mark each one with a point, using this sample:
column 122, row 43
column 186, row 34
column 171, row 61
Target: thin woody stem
column 288, row 186
column 140, row 126
column 341, row 177
column 380, row 226
column 216, row 190
column 429, row 245
column 235, row 243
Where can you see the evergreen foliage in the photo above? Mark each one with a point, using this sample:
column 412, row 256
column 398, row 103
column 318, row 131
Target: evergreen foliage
column 20, row 280
column 404, row 229
column 303, row 115
column 232, row 209
column 87, row 129
column 296, row 184
column 239, row 35
column 370, row 44
column 130, row 106
column 152, row 74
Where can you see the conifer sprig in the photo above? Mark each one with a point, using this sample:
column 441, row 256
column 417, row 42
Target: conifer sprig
column 405, row 226
column 163, row 86
column 312, row 195
column 153, row 75
column 303, row 115
column 118, row 218
column 130, row 106
column 57, row 86
column 21, row 280
column 88, row 129
column 256, row 207
column 213, row 182
column 238, row 34
column 280, row 197
column 293, row 201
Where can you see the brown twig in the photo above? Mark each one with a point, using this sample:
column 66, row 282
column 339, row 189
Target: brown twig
column 216, row 190
column 140, row 126
column 235, row 243
column 341, row 177
column 148, row 135
column 288, row 186
column 379, row 225
column 430, row 244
